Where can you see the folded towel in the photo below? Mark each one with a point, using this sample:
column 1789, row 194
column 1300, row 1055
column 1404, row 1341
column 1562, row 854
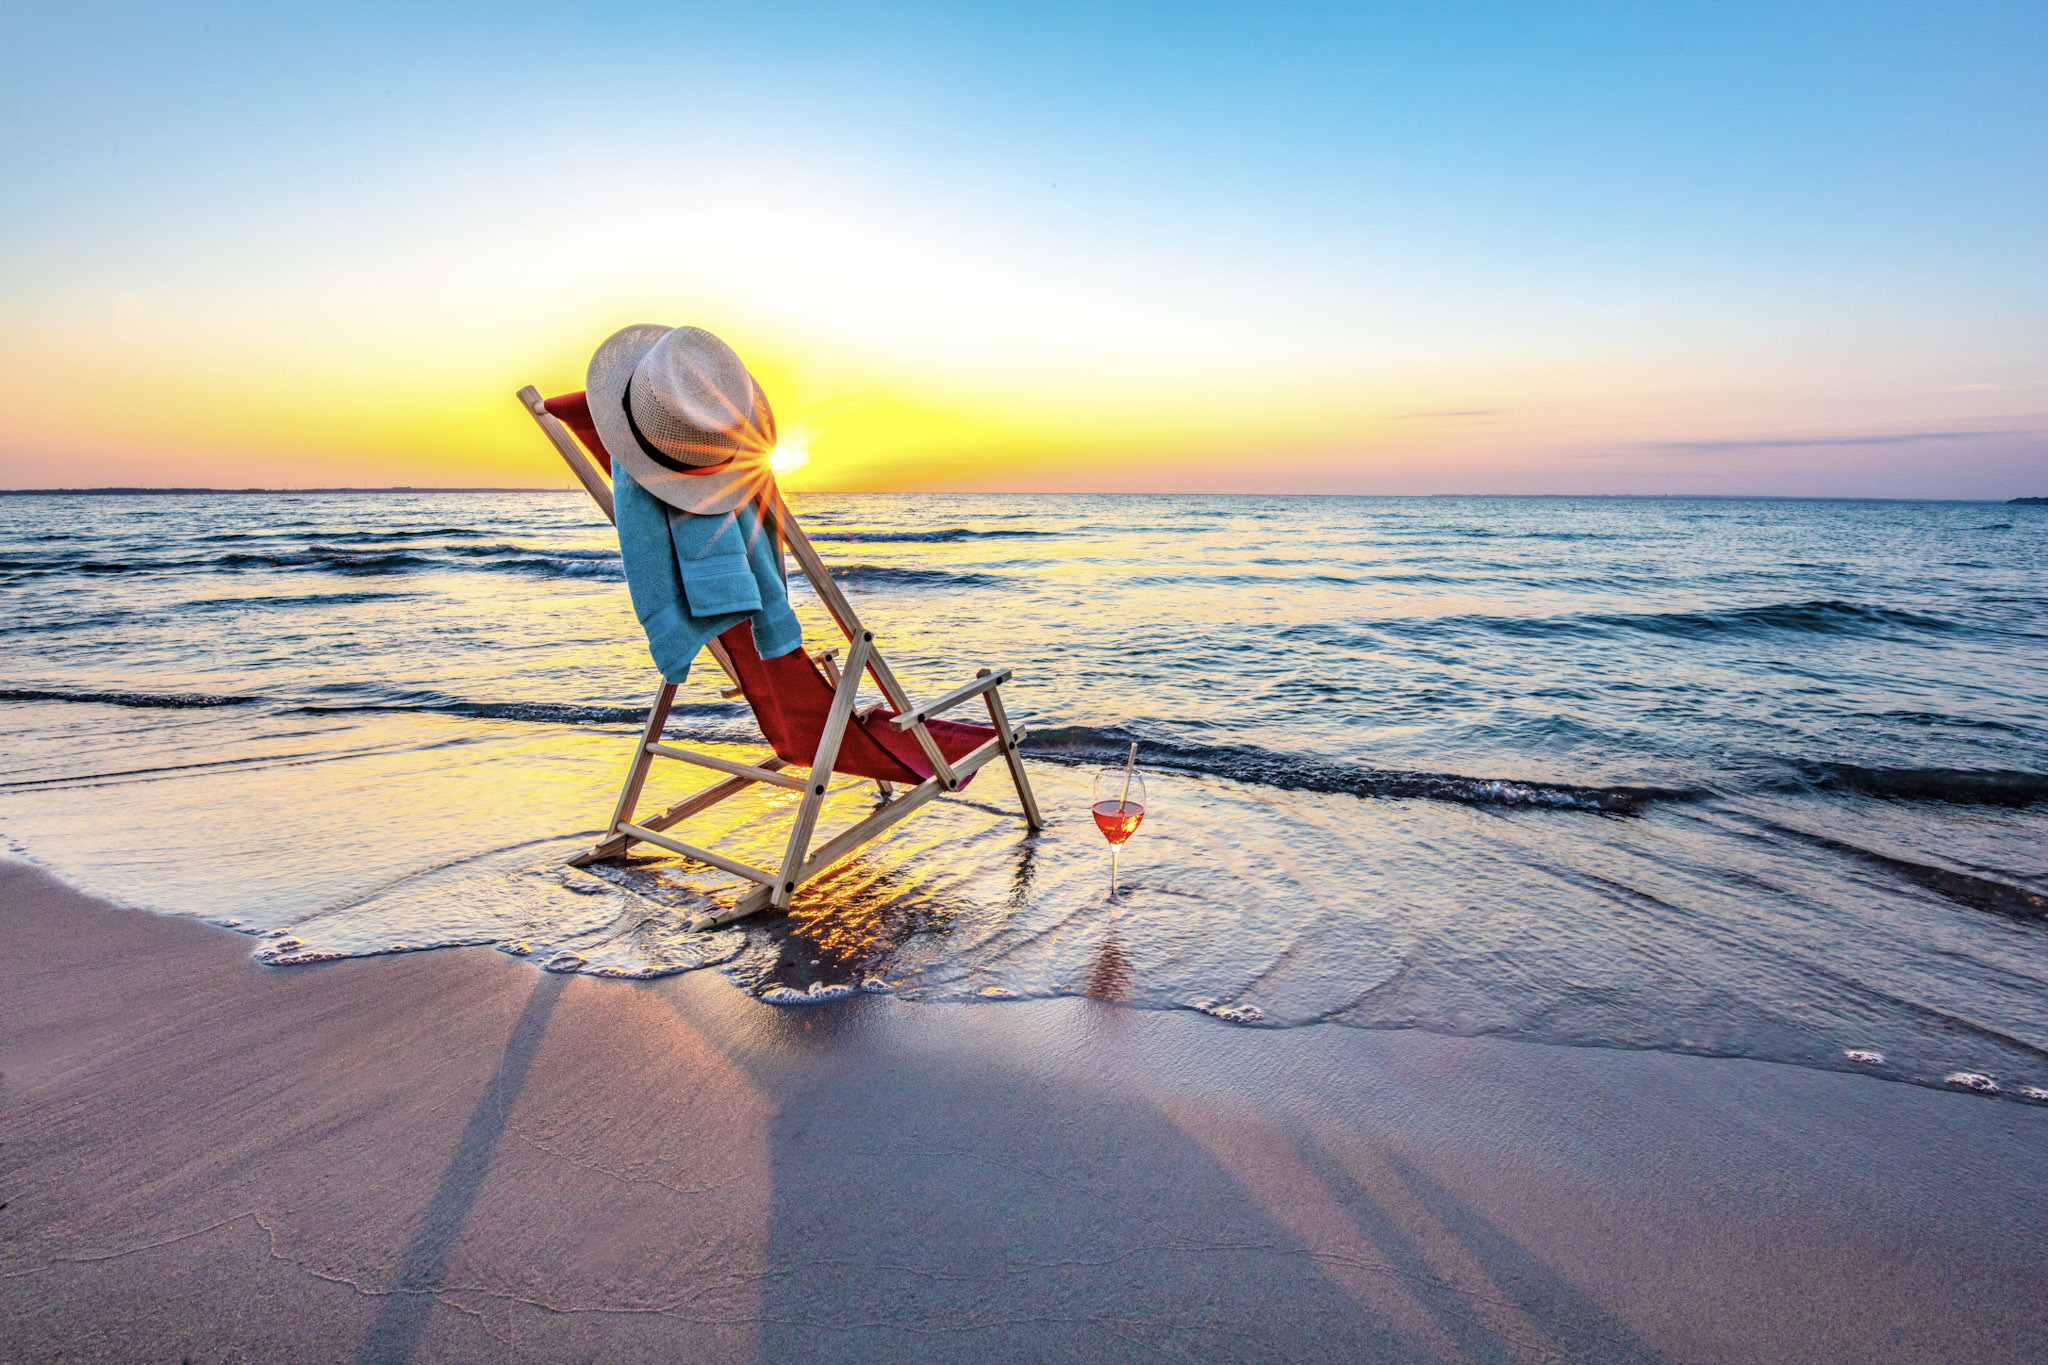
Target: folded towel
column 693, row 577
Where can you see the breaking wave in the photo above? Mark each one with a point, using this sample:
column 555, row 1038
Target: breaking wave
column 173, row 701
column 328, row 559
column 892, row 576
column 555, row 566
column 1081, row 744
column 949, row 536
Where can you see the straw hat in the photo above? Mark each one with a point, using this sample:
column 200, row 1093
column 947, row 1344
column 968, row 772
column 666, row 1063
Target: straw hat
column 681, row 413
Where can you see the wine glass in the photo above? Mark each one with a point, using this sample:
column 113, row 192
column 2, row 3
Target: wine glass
column 1119, row 806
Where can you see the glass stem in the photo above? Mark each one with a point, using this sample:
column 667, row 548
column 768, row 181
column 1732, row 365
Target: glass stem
column 1114, row 851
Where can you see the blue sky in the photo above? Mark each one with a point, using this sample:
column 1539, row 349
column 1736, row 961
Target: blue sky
column 1788, row 249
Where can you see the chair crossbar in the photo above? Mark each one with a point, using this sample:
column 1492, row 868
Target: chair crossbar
column 952, row 699
column 726, row 765
column 702, row 855
column 834, row 735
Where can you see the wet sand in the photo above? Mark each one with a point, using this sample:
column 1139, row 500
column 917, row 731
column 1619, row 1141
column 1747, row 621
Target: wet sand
column 452, row 1156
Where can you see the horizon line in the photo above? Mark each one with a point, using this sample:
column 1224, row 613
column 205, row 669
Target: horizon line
column 120, row 490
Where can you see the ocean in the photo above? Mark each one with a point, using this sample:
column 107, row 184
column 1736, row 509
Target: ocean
column 1765, row 779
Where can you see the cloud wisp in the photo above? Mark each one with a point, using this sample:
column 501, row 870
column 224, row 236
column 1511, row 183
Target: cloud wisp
column 1886, row 438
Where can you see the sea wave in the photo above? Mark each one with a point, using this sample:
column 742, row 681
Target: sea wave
column 174, row 701
column 1818, row 617
column 1961, row 786
column 1828, row 617
column 498, row 558
column 555, row 565
column 544, row 712
column 949, row 536
column 364, row 560
column 413, row 533
column 328, row 559
column 311, row 599
column 1081, row 744
column 503, row 548
column 895, row 576
column 1184, row 580
column 540, row 561
column 1964, row 888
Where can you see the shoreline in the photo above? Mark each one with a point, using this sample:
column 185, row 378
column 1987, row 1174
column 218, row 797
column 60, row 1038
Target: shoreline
column 2003, row 1091
column 447, row 1154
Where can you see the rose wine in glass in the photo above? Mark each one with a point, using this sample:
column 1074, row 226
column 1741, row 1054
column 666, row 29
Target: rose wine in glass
column 1118, row 807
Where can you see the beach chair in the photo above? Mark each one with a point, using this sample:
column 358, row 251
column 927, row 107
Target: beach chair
column 805, row 706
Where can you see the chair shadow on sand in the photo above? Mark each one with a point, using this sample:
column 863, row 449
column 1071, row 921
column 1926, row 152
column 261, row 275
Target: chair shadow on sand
column 934, row 1211
column 403, row 1314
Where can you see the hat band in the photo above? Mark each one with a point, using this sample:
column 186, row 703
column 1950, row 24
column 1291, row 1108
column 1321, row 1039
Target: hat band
column 651, row 451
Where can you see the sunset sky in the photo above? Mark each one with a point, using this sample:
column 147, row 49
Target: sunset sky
column 1518, row 247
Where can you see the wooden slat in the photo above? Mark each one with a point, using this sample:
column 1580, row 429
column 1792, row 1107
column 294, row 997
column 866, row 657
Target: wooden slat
column 726, row 765
column 702, row 855
column 940, row 705
column 1026, row 798
column 821, row 767
column 636, row 774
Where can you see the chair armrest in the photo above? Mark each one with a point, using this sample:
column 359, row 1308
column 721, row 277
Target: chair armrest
column 918, row 715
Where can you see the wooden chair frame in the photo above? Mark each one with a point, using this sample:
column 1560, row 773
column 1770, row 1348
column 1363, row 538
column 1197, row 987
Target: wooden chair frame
column 800, row 861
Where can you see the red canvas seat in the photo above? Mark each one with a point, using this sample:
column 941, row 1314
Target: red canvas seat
column 792, row 699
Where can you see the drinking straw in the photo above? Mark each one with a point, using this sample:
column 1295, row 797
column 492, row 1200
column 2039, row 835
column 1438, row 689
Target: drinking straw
column 1129, row 763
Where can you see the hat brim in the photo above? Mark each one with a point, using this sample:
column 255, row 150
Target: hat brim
column 705, row 492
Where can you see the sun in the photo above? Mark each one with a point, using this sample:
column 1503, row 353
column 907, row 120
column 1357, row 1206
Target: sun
column 792, row 453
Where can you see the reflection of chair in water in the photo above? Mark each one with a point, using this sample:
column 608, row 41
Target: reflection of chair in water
column 807, row 716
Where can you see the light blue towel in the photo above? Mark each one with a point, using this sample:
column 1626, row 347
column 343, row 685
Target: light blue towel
column 694, row 577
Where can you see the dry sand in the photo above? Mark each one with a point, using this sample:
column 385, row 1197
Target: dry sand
column 453, row 1156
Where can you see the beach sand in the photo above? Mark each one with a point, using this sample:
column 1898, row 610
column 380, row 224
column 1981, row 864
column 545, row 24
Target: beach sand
column 451, row 1155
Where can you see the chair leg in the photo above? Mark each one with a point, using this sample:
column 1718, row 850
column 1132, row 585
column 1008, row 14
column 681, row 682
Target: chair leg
column 636, row 776
column 821, row 770
column 1025, row 797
